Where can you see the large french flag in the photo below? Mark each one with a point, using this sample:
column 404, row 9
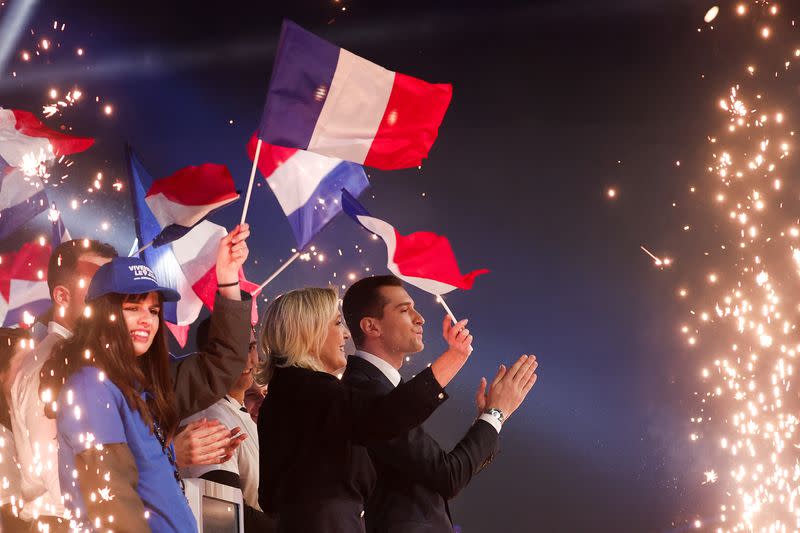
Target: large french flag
column 423, row 259
column 182, row 200
column 161, row 260
column 21, row 198
column 307, row 185
column 23, row 135
column 23, row 284
column 324, row 99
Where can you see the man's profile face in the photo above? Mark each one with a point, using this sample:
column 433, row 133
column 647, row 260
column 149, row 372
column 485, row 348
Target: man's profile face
column 401, row 325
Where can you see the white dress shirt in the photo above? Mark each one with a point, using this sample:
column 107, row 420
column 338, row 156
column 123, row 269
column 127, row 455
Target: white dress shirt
column 393, row 375
column 244, row 462
column 34, row 433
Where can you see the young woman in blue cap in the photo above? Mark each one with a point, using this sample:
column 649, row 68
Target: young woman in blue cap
column 118, row 401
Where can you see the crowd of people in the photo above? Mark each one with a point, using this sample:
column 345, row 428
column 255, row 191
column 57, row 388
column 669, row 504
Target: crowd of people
column 100, row 425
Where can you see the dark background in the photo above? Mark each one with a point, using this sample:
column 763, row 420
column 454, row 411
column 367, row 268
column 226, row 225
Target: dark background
column 554, row 102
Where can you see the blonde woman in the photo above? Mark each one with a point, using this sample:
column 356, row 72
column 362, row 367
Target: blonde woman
column 314, row 476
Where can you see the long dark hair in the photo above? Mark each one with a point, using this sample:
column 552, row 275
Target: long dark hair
column 102, row 340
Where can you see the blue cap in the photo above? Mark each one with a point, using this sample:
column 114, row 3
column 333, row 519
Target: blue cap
column 127, row 275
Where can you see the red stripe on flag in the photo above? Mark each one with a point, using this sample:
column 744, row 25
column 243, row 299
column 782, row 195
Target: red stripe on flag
column 410, row 123
column 23, row 265
column 270, row 157
column 206, row 289
column 28, row 124
column 423, row 254
column 197, row 185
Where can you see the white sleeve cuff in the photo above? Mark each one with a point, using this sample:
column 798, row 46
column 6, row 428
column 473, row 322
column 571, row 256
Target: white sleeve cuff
column 492, row 420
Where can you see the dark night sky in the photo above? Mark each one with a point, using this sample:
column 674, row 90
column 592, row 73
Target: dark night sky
column 553, row 102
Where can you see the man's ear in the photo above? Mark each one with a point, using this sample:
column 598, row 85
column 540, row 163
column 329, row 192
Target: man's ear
column 61, row 296
column 370, row 327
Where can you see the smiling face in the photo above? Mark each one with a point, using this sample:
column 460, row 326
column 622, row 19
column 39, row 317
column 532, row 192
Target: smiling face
column 332, row 351
column 141, row 318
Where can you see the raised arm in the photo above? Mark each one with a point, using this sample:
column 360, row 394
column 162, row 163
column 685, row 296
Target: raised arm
column 203, row 378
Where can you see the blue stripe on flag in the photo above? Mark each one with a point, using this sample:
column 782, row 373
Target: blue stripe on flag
column 173, row 232
column 352, row 207
column 301, row 79
column 35, row 308
column 309, row 219
column 14, row 217
column 161, row 260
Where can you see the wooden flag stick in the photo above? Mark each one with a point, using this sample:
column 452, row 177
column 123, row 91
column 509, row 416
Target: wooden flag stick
column 250, row 185
column 275, row 274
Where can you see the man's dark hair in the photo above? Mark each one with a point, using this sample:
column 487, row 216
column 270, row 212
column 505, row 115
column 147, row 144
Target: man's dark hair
column 64, row 259
column 364, row 299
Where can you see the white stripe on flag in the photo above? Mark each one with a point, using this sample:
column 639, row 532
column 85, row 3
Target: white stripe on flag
column 295, row 180
column 17, row 187
column 22, row 292
column 353, row 109
column 14, row 146
column 168, row 212
column 197, row 250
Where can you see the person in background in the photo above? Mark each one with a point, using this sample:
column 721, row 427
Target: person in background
column 118, row 401
column 310, row 422
column 416, row 477
column 70, row 268
column 240, row 470
column 13, row 341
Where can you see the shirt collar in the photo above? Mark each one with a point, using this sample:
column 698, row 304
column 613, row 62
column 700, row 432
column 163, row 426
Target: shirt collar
column 388, row 370
column 58, row 329
column 234, row 402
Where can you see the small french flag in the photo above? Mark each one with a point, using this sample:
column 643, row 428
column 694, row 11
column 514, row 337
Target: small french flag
column 423, row 259
column 324, row 99
column 307, row 185
column 23, row 285
column 182, row 200
column 22, row 135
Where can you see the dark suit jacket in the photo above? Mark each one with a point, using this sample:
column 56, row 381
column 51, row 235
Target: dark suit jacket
column 308, row 428
column 416, row 476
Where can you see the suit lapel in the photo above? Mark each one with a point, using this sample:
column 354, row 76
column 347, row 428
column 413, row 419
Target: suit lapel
column 371, row 371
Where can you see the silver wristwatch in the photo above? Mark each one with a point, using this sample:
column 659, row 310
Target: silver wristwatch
column 497, row 413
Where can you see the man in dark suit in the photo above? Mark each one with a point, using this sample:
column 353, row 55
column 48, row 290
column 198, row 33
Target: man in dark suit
column 416, row 477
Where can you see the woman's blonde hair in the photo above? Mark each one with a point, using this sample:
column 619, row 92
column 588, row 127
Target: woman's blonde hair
column 294, row 328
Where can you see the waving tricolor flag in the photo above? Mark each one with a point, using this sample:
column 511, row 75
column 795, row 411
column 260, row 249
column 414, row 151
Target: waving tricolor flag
column 161, row 260
column 23, row 284
column 23, row 136
column 324, row 99
column 186, row 265
column 307, row 185
column 182, row 200
column 25, row 145
column 423, row 259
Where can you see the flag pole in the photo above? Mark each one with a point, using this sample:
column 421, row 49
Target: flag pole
column 145, row 247
column 250, row 185
column 275, row 274
column 440, row 299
